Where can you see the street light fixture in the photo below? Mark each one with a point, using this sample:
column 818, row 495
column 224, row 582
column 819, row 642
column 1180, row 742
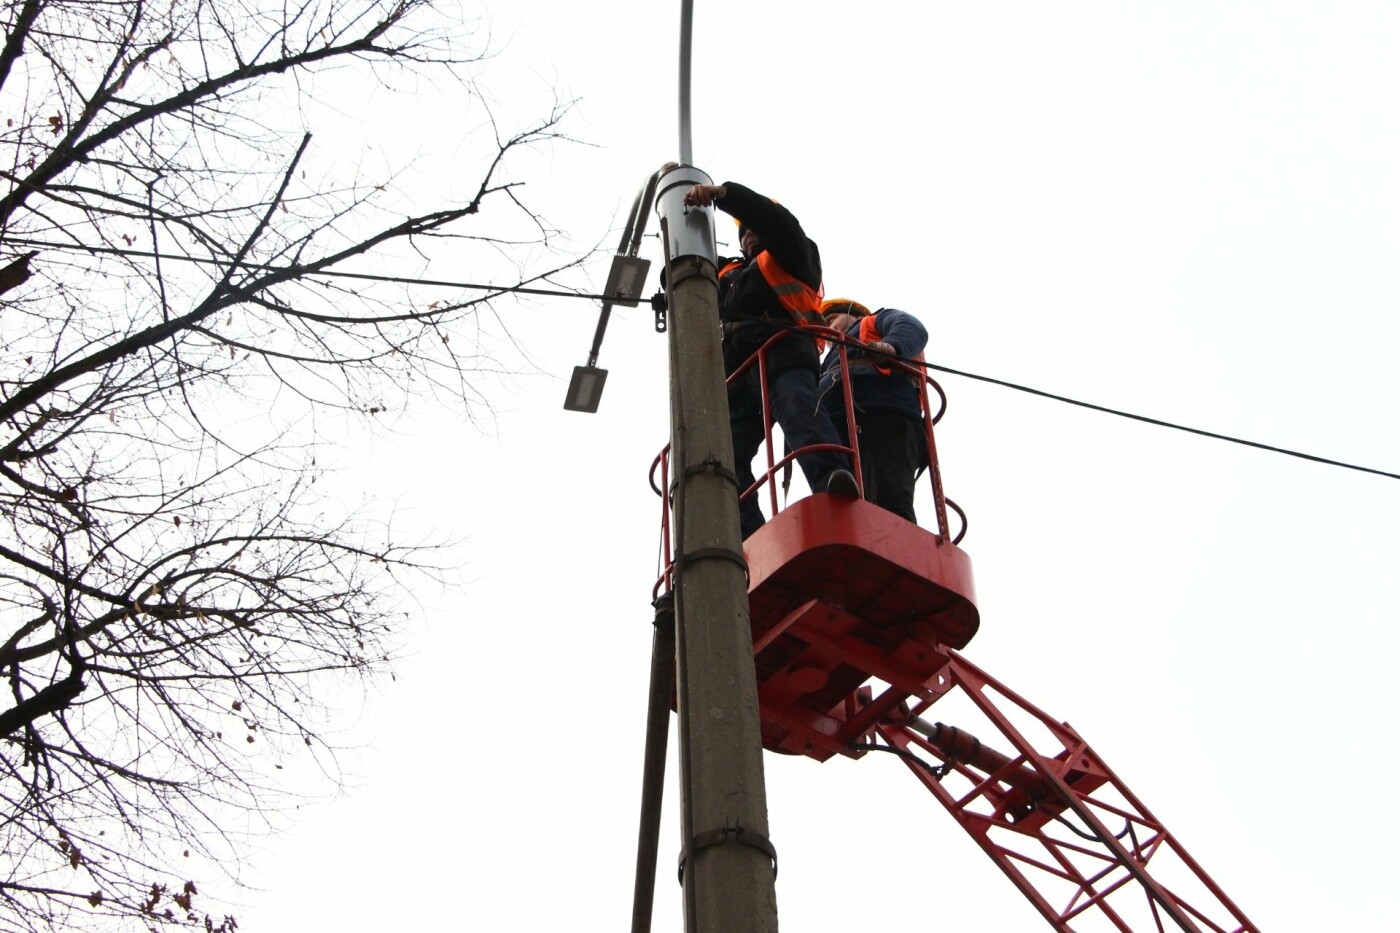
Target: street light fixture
column 625, row 281
column 585, row 389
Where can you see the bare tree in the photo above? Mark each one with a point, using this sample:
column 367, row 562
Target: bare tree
column 177, row 305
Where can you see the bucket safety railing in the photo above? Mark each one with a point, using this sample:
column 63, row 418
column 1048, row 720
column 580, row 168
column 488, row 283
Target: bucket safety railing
column 770, row 477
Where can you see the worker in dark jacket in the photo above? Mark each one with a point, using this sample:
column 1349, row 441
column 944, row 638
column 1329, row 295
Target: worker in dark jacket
column 888, row 418
column 774, row 287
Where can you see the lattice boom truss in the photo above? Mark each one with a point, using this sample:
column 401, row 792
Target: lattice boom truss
column 1052, row 815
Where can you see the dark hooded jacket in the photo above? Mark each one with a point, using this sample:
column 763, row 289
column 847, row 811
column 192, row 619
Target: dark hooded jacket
column 747, row 304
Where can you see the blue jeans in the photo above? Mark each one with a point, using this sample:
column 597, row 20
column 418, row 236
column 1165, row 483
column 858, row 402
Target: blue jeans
column 793, row 396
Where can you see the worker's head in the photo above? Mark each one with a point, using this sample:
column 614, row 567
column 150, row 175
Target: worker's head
column 841, row 313
column 749, row 242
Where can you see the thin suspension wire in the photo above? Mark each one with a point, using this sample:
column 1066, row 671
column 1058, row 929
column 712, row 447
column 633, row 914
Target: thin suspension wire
column 521, row 289
column 324, row 273
column 1158, row 422
column 924, row 364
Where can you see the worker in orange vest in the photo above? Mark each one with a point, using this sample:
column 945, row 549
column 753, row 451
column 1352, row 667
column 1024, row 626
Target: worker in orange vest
column 888, row 418
column 774, row 287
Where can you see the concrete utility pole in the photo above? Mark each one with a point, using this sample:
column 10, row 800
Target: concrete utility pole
column 729, row 864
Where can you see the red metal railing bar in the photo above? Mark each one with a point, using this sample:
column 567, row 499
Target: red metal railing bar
column 759, row 361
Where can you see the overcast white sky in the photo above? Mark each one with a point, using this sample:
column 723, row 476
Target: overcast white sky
column 1187, row 210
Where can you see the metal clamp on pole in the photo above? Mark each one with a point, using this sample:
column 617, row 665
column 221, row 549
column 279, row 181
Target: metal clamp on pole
column 687, row 231
column 707, row 466
column 664, row 612
column 686, row 558
column 716, row 837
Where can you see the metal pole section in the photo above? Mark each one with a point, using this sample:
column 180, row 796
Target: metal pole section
column 728, row 864
column 687, row 11
column 663, row 660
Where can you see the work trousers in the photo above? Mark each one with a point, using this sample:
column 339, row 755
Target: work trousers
column 891, row 449
column 793, row 396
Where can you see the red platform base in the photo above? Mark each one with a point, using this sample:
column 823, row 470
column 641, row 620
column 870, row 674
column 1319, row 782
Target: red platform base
column 841, row 591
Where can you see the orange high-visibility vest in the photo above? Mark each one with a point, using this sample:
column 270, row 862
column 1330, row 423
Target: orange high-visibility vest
column 870, row 333
column 802, row 301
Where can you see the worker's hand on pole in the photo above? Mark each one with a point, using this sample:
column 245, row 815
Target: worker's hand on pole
column 883, row 347
column 703, row 195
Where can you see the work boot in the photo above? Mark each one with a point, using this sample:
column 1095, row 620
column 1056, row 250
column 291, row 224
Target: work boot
column 842, row 483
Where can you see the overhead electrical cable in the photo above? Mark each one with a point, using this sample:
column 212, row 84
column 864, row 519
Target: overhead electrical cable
column 324, row 273
column 1156, row 421
column 924, row 364
column 555, row 293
